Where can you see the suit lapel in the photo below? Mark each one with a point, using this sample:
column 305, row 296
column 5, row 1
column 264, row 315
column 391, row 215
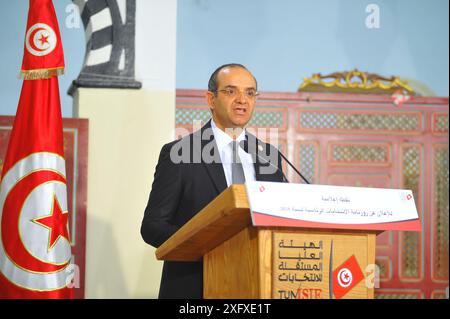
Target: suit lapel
column 257, row 163
column 215, row 171
column 213, row 164
column 252, row 143
column 211, row 158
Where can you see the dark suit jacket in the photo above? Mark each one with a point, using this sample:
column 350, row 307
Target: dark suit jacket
column 180, row 190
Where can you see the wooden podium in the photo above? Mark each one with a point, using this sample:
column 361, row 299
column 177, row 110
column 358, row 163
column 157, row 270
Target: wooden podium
column 243, row 261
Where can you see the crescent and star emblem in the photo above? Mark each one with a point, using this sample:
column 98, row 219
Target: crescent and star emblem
column 40, row 39
column 34, row 235
column 345, row 277
column 56, row 223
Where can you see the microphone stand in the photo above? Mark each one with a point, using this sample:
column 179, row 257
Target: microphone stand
column 244, row 146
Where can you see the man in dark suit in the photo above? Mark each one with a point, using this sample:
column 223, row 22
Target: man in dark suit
column 192, row 171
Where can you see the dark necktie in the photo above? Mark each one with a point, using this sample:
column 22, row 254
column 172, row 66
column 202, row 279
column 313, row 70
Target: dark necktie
column 237, row 171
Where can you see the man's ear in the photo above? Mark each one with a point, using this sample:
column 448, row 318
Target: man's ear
column 210, row 100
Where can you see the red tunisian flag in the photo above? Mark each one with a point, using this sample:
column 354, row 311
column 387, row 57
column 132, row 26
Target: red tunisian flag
column 35, row 249
column 346, row 276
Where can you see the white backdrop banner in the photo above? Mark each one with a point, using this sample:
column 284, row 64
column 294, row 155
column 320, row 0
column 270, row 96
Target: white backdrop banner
column 325, row 206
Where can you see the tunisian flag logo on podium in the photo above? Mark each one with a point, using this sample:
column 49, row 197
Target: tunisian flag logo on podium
column 346, row 276
column 35, row 248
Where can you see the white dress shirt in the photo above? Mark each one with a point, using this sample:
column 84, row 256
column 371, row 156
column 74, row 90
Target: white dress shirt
column 224, row 141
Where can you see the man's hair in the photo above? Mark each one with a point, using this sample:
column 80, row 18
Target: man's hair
column 212, row 83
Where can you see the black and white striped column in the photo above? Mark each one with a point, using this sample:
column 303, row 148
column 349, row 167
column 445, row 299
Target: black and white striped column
column 110, row 44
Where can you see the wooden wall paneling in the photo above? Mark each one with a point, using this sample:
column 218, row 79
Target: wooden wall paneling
column 366, row 140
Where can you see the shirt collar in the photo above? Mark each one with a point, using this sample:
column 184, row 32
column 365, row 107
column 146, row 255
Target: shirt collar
column 222, row 138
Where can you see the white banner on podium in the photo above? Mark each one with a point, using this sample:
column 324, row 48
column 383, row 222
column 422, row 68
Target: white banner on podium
column 325, row 206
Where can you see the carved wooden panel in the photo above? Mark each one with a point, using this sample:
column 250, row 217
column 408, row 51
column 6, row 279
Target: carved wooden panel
column 366, row 140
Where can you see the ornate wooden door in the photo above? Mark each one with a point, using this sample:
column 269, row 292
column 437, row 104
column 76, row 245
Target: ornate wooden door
column 366, row 140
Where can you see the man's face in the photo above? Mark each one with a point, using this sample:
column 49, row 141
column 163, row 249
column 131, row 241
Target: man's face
column 231, row 105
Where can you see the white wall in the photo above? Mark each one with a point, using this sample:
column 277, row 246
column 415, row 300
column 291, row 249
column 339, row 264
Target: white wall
column 126, row 131
column 156, row 22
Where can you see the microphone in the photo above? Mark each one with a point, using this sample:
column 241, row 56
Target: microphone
column 244, row 145
column 290, row 164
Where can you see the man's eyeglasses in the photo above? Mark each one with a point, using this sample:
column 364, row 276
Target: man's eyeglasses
column 233, row 92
